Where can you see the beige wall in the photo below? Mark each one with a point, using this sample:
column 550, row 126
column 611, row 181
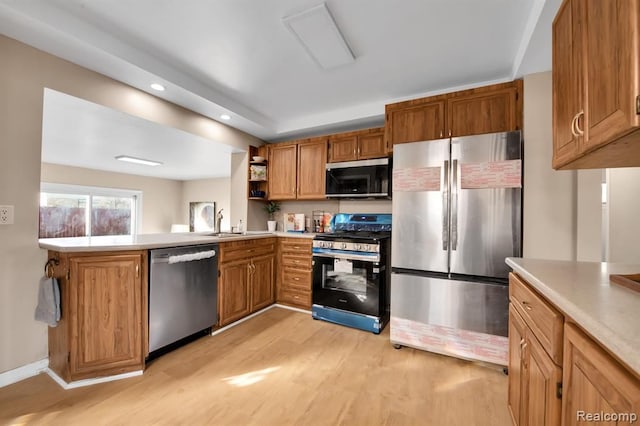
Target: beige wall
column 24, row 74
column 218, row 190
column 549, row 195
column 624, row 220
column 589, row 219
column 161, row 198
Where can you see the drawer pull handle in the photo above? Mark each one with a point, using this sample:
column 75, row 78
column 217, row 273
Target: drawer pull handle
column 296, row 297
column 297, row 278
column 527, row 306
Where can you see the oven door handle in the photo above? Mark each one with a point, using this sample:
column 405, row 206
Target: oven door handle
column 372, row 259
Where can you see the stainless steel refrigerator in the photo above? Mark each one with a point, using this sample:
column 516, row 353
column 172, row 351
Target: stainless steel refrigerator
column 457, row 214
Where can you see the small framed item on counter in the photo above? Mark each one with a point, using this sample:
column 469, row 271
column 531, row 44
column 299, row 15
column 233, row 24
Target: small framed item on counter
column 294, row 222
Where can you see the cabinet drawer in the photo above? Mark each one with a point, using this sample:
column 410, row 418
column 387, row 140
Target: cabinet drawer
column 296, row 279
column 236, row 250
column 296, row 297
column 545, row 321
column 296, row 245
column 300, row 262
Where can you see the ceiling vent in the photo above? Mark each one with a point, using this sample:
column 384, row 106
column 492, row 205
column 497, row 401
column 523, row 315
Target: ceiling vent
column 316, row 30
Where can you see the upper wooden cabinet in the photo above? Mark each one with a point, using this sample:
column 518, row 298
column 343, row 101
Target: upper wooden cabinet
column 413, row 123
column 359, row 145
column 484, row 111
column 489, row 109
column 297, row 169
column 312, row 159
column 596, row 84
column 282, row 171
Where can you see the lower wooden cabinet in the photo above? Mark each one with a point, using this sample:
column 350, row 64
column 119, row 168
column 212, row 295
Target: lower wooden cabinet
column 246, row 281
column 104, row 315
column 534, row 379
column 595, row 384
column 588, row 384
column 234, row 297
column 294, row 272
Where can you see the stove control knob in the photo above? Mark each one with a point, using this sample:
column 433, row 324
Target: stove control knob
column 364, row 247
column 344, row 246
column 328, row 244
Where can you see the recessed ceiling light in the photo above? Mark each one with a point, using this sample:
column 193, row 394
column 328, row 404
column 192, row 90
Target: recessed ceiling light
column 225, row 117
column 157, row 86
column 138, row 160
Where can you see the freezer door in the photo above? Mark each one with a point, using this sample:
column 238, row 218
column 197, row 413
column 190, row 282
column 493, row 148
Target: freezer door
column 459, row 305
column 486, row 203
column 420, row 206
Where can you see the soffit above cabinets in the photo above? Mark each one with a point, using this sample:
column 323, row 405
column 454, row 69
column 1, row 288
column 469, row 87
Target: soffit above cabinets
column 238, row 57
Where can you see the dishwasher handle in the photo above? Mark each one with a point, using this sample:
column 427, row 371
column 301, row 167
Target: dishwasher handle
column 189, row 257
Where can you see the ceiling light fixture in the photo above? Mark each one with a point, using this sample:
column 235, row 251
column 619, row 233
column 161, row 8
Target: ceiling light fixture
column 138, row 160
column 318, row 33
column 225, row 117
column 157, row 86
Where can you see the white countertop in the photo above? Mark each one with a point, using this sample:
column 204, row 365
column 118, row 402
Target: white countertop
column 609, row 312
column 151, row 241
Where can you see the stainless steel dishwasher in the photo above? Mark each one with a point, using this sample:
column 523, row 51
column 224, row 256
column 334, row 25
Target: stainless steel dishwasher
column 183, row 292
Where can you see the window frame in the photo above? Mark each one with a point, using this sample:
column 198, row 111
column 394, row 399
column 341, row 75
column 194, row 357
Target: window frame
column 93, row 191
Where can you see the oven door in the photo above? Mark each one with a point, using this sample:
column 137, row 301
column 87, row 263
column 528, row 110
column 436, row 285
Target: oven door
column 349, row 283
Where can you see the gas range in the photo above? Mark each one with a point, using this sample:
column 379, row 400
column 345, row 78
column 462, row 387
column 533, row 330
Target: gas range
column 351, row 268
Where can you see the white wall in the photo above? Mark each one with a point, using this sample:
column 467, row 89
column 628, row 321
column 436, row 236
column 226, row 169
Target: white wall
column 218, row 190
column 549, row 196
column 624, row 215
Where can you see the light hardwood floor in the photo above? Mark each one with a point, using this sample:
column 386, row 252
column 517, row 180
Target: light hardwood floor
column 279, row 368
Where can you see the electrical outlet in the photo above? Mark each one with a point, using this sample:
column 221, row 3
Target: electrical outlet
column 6, row 215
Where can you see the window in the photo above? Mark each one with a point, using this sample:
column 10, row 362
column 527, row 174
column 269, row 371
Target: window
column 79, row 211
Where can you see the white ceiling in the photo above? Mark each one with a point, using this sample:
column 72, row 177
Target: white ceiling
column 237, row 56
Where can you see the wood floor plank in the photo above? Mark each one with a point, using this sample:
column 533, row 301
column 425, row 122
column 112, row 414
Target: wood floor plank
column 279, row 368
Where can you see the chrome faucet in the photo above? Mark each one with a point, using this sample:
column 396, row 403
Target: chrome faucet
column 219, row 221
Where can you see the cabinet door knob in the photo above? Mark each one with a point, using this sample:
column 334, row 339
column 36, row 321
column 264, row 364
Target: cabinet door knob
column 527, row 306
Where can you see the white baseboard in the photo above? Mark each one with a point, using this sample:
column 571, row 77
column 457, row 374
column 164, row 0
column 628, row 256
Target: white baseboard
column 89, row 382
column 255, row 314
column 24, row 372
column 291, row 308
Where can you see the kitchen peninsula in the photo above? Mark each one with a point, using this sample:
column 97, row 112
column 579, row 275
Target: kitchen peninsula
column 104, row 283
column 574, row 340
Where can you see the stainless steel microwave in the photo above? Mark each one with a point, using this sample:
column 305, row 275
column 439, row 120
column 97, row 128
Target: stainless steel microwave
column 359, row 179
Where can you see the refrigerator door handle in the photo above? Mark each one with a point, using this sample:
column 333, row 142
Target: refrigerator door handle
column 454, row 206
column 445, row 208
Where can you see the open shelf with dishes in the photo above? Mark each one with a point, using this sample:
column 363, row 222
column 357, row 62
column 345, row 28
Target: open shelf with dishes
column 257, row 173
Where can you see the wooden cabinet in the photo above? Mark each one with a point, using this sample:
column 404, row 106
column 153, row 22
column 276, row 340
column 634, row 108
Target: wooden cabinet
column 535, row 379
column 359, row 145
column 558, row 374
column 246, row 281
column 481, row 111
column 312, row 158
column 297, row 169
column 258, row 175
column 234, row 297
column 283, row 159
column 104, row 315
column 596, row 84
column 294, row 272
column 489, row 109
column 595, row 383
column 412, row 123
